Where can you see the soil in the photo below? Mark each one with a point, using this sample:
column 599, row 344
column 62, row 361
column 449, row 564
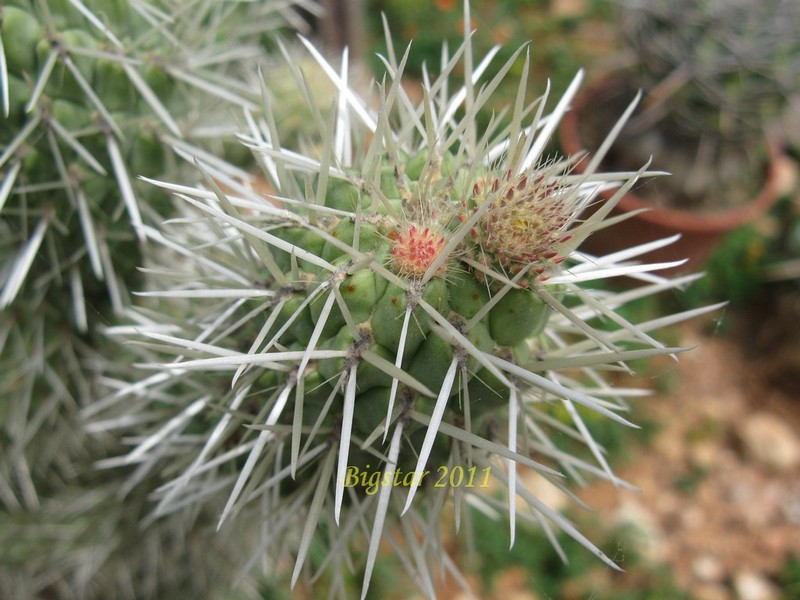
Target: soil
column 716, row 513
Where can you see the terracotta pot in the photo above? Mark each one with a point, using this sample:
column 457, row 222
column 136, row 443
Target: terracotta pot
column 700, row 231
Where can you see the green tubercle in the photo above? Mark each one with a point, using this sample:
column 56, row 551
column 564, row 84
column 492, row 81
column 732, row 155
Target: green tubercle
column 518, row 316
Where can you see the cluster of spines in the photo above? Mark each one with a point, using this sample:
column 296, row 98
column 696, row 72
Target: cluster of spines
column 97, row 94
column 414, row 249
column 525, row 231
column 338, row 334
column 94, row 94
column 353, row 349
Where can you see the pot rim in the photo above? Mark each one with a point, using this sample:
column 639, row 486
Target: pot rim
column 679, row 219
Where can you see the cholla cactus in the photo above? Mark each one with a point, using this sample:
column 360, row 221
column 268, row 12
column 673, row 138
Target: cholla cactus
column 93, row 94
column 408, row 302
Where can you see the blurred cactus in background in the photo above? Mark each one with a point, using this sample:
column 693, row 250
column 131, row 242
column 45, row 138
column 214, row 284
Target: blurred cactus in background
column 723, row 67
column 410, row 297
column 94, row 95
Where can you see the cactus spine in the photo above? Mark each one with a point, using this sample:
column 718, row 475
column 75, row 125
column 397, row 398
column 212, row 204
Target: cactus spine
column 94, row 94
column 410, row 297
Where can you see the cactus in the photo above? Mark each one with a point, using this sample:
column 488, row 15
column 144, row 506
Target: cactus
column 410, row 298
column 726, row 67
column 94, row 94
column 719, row 77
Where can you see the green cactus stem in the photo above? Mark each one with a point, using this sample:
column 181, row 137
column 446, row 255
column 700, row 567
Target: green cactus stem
column 410, row 297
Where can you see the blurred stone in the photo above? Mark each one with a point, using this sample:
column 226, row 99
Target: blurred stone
column 521, row 595
column 514, row 583
column 692, row 518
column 642, row 530
column 754, row 586
column 791, row 507
column 760, row 502
column 711, row 591
column 705, row 455
column 540, row 487
column 788, row 172
column 770, row 441
column 708, row 568
column 587, row 585
column 568, row 8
